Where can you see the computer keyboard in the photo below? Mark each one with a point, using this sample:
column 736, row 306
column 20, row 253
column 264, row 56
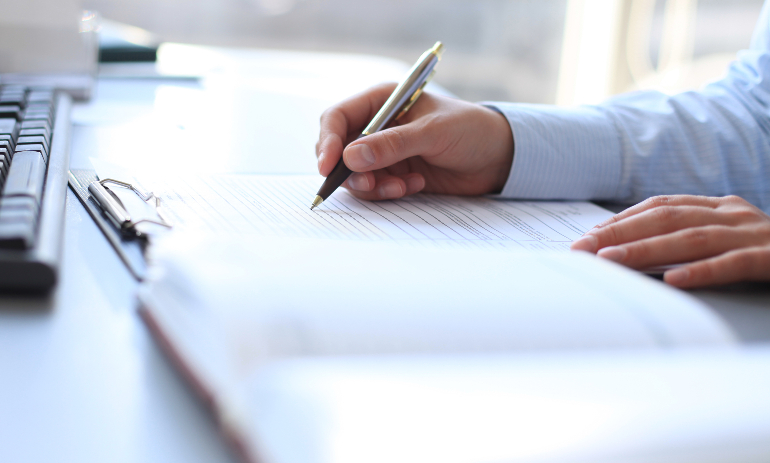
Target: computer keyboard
column 34, row 158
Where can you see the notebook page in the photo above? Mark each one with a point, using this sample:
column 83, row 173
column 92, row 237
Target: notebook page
column 279, row 206
column 688, row 406
column 232, row 307
column 262, row 300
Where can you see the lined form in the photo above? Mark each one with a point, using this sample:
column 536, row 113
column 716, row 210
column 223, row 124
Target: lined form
column 277, row 205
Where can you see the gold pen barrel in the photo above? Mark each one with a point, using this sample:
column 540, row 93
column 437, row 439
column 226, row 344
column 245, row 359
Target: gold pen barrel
column 407, row 91
column 438, row 50
column 399, row 102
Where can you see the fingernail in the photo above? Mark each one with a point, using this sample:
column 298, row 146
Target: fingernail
column 391, row 190
column 320, row 160
column 358, row 182
column 613, row 253
column 586, row 243
column 414, row 184
column 677, row 276
column 359, row 157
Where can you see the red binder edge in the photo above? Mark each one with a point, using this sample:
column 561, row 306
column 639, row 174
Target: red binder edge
column 233, row 439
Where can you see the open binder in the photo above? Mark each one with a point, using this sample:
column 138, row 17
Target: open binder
column 464, row 356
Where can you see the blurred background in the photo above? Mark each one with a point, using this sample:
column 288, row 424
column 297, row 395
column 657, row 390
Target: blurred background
column 497, row 49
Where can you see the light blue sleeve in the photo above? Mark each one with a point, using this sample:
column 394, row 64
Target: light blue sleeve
column 715, row 141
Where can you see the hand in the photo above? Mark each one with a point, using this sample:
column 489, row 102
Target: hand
column 441, row 145
column 725, row 240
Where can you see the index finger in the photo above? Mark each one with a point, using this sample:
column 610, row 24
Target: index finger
column 346, row 118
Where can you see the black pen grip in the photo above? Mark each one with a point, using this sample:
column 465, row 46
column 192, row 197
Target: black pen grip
column 337, row 177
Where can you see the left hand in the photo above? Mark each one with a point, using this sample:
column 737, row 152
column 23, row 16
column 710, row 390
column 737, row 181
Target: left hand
column 721, row 240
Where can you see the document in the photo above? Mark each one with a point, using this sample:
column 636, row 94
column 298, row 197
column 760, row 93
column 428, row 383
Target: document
column 279, row 205
column 233, row 312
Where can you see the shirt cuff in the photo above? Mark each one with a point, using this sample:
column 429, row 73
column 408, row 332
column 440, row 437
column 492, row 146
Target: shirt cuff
column 561, row 153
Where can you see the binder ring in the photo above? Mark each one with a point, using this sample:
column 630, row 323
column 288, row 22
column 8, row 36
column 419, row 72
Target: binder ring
column 116, row 212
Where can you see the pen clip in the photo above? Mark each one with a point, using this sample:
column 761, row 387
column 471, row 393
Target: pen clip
column 416, row 95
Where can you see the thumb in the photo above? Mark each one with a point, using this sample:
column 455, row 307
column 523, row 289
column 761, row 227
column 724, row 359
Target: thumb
column 385, row 148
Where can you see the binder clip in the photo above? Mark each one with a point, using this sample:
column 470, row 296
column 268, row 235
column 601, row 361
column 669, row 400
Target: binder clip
column 117, row 213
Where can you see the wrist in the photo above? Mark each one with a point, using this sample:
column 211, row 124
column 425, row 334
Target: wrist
column 502, row 150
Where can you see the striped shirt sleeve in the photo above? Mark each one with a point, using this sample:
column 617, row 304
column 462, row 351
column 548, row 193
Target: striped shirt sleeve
column 715, row 141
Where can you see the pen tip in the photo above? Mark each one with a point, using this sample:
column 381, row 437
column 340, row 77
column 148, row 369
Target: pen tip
column 316, row 202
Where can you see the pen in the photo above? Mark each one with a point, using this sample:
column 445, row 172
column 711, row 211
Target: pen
column 399, row 102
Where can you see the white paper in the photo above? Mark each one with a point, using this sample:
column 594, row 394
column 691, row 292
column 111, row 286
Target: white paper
column 234, row 308
column 280, row 206
column 261, row 300
column 686, row 406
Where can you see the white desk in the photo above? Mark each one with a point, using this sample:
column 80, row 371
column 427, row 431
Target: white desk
column 81, row 379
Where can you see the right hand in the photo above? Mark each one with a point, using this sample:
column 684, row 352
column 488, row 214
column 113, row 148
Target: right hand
column 442, row 145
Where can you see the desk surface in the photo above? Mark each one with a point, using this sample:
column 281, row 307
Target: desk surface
column 82, row 379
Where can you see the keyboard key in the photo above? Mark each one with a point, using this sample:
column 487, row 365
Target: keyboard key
column 16, row 214
column 40, row 97
column 14, row 88
column 10, row 111
column 19, row 202
column 26, row 176
column 43, row 109
column 35, row 133
column 32, row 141
column 13, row 91
column 40, row 104
column 8, row 138
column 35, row 125
column 8, row 155
column 9, row 126
column 37, row 116
column 5, row 144
column 18, row 223
column 18, row 99
column 40, row 149
column 17, row 235
column 5, row 162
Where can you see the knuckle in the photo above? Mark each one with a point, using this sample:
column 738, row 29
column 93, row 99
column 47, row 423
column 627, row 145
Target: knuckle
column 696, row 237
column 666, row 213
column 610, row 235
column 658, row 201
column 747, row 214
column 733, row 266
column 327, row 113
column 393, row 142
column 639, row 250
column 612, row 220
column 733, row 199
column 705, row 272
column 744, row 263
column 444, row 140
